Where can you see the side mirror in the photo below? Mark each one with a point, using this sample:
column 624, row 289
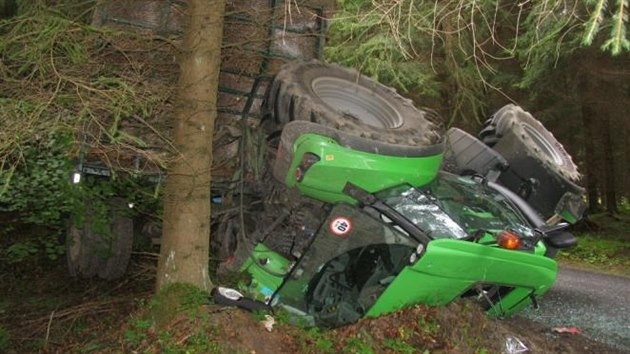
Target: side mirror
column 556, row 236
column 561, row 239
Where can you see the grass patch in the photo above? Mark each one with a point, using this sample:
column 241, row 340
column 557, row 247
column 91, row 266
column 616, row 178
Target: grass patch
column 176, row 320
column 5, row 339
column 174, row 300
column 599, row 252
column 614, row 227
column 604, row 244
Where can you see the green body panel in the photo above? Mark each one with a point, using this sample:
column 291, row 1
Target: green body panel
column 267, row 269
column 447, row 269
column 450, row 267
column 540, row 249
column 338, row 165
column 515, row 301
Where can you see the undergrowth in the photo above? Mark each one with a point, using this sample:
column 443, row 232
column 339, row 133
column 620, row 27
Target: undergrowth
column 71, row 93
column 175, row 321
column 5, row 338
column 595, row 250
column 38, row 202
column 604, row 243
column 181, row 319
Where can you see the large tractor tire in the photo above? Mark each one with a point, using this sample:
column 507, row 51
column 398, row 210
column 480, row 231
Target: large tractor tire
column 343, row 99
column 106, row 254
column 540, row 170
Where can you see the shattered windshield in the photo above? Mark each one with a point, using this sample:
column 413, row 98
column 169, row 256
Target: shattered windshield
column 455, row 207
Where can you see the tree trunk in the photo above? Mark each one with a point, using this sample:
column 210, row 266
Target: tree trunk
column 626, row 162
column 609, row 163
column 186, row 226
column 615, row 95
column 590, row 158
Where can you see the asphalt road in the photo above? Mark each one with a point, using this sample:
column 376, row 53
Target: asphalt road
column 597, row 304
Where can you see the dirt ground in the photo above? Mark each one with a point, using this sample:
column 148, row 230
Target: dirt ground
column 455, row 329
column 46, row 311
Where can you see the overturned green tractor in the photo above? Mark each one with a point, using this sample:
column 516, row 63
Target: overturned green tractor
column 379, row 210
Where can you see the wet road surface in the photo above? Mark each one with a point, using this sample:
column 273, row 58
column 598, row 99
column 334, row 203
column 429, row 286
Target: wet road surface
column 598, row 304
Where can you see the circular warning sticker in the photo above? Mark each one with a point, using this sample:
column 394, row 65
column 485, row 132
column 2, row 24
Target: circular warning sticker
column 341, row 226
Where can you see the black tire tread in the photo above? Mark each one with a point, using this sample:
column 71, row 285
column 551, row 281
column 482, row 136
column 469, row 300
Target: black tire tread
column 505, row 133
column 511, row 125
column 289, row 99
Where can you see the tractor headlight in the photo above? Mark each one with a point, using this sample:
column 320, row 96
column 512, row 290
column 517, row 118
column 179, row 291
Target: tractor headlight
column 416, row 254
column 308, row 160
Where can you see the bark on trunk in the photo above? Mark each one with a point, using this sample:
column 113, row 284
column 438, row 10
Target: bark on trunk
column 609, row 170
column 611, row 109
column 590, row 159
column 626, row 162
column 186, row 226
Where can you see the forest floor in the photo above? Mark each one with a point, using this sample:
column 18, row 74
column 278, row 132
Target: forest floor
column 46, row 311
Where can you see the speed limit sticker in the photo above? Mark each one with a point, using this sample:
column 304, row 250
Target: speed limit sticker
column 341, row 226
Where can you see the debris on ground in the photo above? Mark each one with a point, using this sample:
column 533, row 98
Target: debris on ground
column 514, row 345
column 571, row 330
column 269, row 322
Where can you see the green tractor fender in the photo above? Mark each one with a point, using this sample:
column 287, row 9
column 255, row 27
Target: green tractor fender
column 320, row 161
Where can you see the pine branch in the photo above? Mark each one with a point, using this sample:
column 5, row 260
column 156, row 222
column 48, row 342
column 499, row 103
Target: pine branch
column 594, row 22
column 618, row 41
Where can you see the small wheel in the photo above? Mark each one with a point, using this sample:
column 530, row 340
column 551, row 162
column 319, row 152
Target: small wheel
column 540, row 169
column 524, row 130
column 106, row 254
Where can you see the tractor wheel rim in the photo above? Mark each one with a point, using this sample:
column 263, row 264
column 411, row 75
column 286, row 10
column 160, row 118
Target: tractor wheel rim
column 357, row 102
column 543, row 144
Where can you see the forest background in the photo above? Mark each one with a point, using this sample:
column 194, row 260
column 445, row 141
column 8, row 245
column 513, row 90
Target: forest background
column 70, row 88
